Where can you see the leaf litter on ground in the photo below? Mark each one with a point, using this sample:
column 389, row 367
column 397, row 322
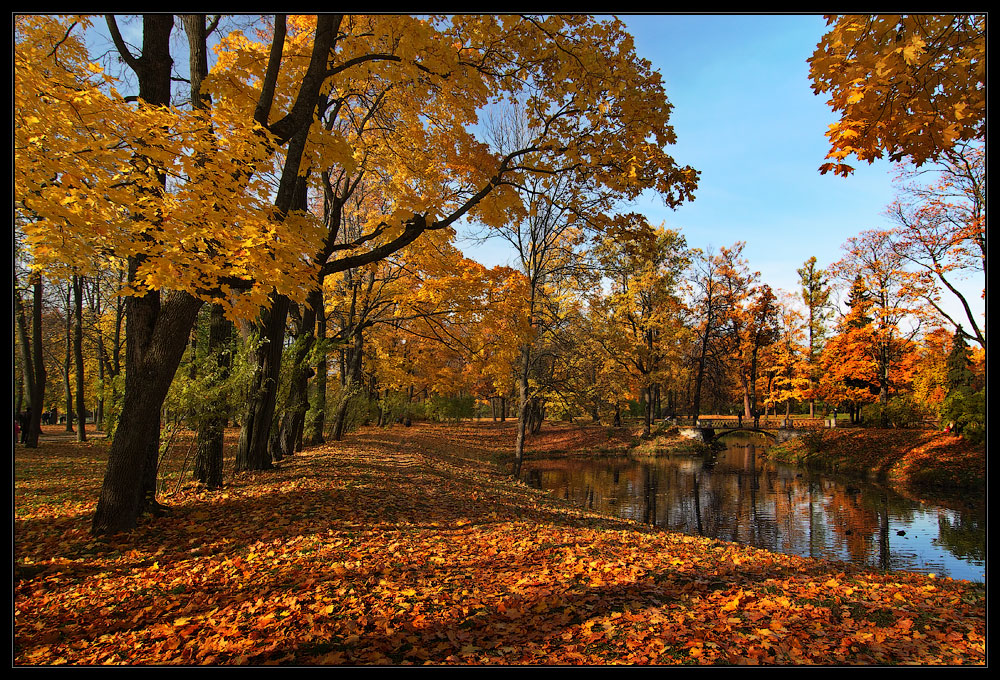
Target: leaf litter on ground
column 407, row 546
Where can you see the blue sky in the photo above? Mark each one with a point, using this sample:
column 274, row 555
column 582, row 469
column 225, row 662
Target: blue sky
column 746, row 117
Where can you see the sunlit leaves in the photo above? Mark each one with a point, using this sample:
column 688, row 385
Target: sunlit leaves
column 905, row 86
column 92, row 167
column 389, row 550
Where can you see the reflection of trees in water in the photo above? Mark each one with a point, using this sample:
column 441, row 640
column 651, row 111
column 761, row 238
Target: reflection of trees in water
column 964, row 538
column 744, row 498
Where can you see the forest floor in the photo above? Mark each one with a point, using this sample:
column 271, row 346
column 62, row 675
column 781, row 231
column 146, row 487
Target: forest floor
column 413, row 546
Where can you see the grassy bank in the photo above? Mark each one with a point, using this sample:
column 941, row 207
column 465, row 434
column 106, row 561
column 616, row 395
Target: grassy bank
column 409, row 546
column 923, row 459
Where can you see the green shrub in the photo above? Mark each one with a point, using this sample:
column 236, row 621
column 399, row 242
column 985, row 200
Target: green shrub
column 871, row 414
column 966, row 412
column 904, row 411
column 450, row 408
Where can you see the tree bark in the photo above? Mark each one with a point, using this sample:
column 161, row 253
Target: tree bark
column 157, row 327
column 81, row 408
column 157, row 334
column 155, row 337
column 319, row 396
column 68, row 359
column 522, row 410
column 351, row 384
column 253, row 453
column 211, row 430
column 31, row 356
column 293, row 420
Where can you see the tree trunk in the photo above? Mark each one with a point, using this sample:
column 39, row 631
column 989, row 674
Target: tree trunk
column 34, row 362
column 351, row 384
column 522, row 410
column 319, row 396
column 211, row 430
column 81, row 408
column 253, row 453
column 155, row 337
column 156, row 331
column 293, row 420
column 68, row 360
column 647, row 416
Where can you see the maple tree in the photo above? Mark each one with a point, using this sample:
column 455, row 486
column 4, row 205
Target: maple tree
column 641, row 308
column 194, row 167
column 907, row 86
column 160, row 253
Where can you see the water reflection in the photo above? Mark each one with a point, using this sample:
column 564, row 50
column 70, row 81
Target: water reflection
column 737, row 495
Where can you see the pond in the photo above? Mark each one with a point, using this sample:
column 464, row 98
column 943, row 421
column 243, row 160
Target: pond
column 737, row 495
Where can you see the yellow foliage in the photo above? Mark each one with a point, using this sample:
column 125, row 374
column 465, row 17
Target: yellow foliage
column 907, row 86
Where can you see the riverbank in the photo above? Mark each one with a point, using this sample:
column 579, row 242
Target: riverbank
column 408, row 546
column 920, row 459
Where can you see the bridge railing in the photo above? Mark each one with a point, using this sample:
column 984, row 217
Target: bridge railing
column 768, row 423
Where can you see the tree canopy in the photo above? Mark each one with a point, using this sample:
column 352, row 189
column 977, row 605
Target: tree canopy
column 905, row 86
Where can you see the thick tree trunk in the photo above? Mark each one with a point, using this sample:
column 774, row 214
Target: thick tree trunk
column 156, row 330
column 155, row 337
column 34, row 362
column 81, row 408
column 293, row 420
column 253, row 453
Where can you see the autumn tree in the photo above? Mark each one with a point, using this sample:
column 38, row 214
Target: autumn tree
column 815, row 297
column 930, row 380
column 940, row 229
column 895, row 303
column 440, row 172
column 750, row 323
column 641, row 308
column 545, row 242
column 786, row 365
column 906, row 86
column 848, row 366
column 159, row 179
column 167, row 231
column 708, row 307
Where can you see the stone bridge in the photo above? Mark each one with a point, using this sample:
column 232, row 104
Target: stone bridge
column 708, row 431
